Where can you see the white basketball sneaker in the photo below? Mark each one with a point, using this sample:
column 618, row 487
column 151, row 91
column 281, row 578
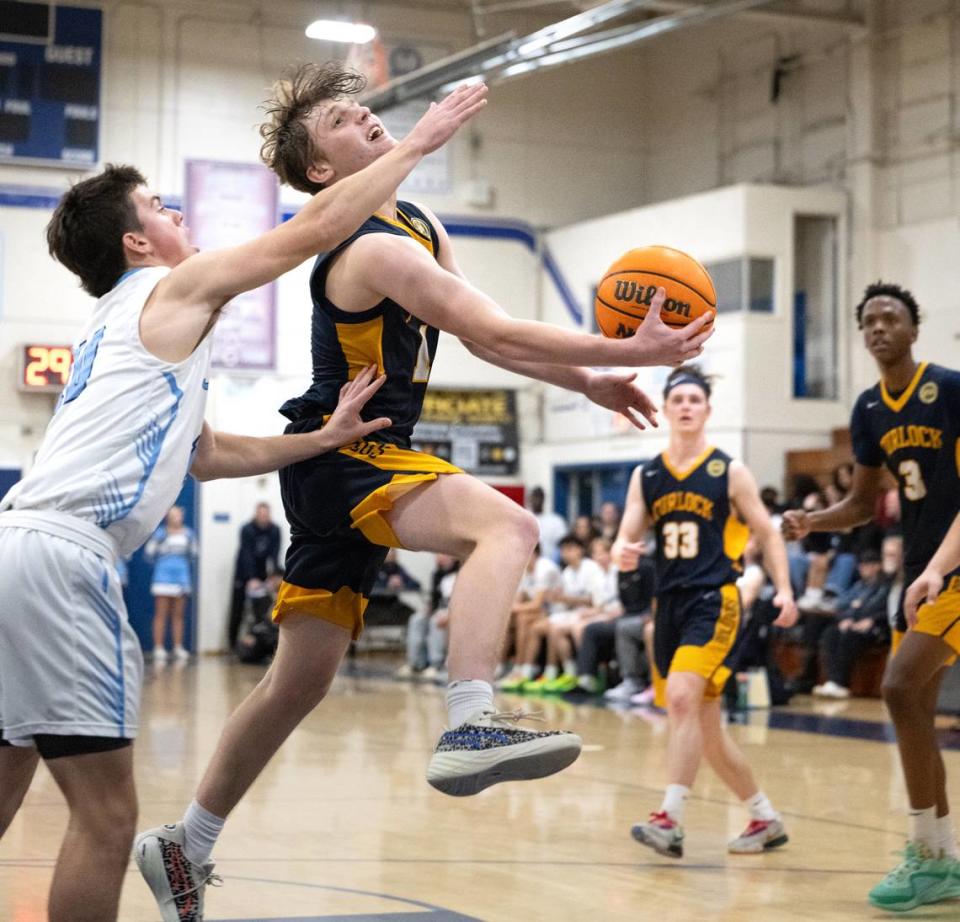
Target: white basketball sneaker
column 176, row 882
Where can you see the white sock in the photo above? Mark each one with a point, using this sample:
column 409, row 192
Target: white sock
column 814, row 593
column 551, row 672
column 924, row 830
column 948, row 841
column 528, row 670
column 569, row 667
column 466, row 699
column 201, row 830
column 760, row 808
column 675, row 801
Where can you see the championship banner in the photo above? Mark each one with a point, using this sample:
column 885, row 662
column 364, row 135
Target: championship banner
column 475, row 430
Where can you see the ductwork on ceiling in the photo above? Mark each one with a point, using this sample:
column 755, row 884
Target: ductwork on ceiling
column 572, row 39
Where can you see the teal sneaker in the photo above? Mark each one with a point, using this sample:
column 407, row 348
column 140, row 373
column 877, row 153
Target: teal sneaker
column 951, row 887
column 918, row 880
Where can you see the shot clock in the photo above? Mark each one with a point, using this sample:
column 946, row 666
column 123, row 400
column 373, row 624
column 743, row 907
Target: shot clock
column 44, row 369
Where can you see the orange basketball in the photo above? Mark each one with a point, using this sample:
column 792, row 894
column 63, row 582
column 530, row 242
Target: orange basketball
column 629, row 285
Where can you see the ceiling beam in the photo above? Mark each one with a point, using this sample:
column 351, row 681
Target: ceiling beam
column 785, row 12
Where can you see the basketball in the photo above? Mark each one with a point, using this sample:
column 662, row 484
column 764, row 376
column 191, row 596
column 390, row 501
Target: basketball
column 627, row 289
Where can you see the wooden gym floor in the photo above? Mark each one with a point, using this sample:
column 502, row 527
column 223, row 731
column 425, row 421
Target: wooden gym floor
column 343, row 825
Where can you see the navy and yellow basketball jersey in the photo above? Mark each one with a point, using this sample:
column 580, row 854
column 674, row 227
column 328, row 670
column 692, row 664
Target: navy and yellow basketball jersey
column 916, row 434
column 700, row 540
column 344, row 343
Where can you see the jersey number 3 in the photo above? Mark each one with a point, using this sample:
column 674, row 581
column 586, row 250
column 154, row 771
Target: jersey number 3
column 681, row 539
column 913, row 486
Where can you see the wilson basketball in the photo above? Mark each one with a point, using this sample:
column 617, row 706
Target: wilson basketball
column 628, row 287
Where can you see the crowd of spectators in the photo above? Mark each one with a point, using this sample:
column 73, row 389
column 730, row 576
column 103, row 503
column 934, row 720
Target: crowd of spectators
column 579, row 625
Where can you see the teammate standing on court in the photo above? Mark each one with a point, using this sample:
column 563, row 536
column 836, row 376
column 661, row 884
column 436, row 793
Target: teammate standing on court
column 382, row 297
column 910, row 423
column 128, row 427
column 702, row 505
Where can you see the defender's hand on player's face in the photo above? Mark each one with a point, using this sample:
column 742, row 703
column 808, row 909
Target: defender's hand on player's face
column 795, row 525
column 345, row 424
column 655, row 343
column 924, row 589
column 620, row 394
column 441, row 121
column 788, row 609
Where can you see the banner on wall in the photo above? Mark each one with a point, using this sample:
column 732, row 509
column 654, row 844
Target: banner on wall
column 476, row 430
column 226, row 204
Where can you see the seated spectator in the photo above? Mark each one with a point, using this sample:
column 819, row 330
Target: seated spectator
column 583, row 530
column 608, row 521
column 427, row 630
column 861, row 622
column 578, row 582
column 540, row 581
column 826, row 567
column 258, row 635
column 385, row 606
column 891, row 556
column 564, row 637
column 258, row 559
column 552, row 526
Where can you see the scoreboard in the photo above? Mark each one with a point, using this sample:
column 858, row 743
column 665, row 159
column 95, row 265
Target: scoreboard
column 50, row 61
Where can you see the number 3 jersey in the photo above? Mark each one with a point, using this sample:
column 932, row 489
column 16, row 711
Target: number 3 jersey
column 121, row 439
column 915, row 434
column 343, row 343
column 700, row 539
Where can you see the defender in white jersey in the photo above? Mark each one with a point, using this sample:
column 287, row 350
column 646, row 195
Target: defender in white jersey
column 126, row 431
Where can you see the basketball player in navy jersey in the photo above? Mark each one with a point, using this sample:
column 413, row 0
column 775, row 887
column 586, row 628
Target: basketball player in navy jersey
column 702, row 506
column 909, row 422
column 128, row 427
column 381, row 298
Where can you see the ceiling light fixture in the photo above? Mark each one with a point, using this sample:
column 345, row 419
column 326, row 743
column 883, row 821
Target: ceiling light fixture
column 337, row 30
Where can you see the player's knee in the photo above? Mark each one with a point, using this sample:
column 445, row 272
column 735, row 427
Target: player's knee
column 524, row 527
column 682, row 701
column 897, row 693
column 112, row 819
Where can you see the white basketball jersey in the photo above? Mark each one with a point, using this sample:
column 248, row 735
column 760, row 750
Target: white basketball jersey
column 122, row 437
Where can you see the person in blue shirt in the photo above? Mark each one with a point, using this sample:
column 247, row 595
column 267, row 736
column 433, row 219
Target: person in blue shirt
column 172, row 549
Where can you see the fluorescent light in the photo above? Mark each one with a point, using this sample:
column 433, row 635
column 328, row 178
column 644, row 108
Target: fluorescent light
column 336, row 30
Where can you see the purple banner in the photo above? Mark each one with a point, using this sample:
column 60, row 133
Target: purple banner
column 226, row 204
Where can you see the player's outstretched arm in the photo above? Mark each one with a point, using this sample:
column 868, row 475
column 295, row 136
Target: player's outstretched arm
column 388, row 266
column 181, row 307
column 628, row 546
column 221, row 454
column 856, row 508
column 746, row 498
column 928, row 585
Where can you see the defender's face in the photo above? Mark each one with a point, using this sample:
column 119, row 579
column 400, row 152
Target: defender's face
column 888, row 329
column 348, row 137
column 686, row 408
column 163, row 228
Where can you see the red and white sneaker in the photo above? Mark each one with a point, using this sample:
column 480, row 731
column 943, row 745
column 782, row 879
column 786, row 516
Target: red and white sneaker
column 759, row 836
column 661, row 834
column 177, row 883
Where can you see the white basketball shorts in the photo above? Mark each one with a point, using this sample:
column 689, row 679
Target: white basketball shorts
column 70, row 663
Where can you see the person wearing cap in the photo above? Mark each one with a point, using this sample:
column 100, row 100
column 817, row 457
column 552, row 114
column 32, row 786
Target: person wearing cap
column 702, row 505
column 861, row 622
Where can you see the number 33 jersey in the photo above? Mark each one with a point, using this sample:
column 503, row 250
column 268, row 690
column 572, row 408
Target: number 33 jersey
column 915, row 434
column 700, row 539
column 121, row 439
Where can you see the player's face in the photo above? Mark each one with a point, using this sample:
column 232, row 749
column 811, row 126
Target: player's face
column 163, row 228
column 349, row 137
column 888, row 329
column 686, row 408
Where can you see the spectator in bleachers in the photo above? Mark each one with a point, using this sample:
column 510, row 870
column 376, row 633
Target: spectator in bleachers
column 564, row 637
column 583, row 530
column 427, row 630
column 540, row 581
column 578, row 583
column 552, row 526
column 770, row 497
column 258, row 558
column 861, row 622
column 608, row 520
column 826, row 567
column 386, row 607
